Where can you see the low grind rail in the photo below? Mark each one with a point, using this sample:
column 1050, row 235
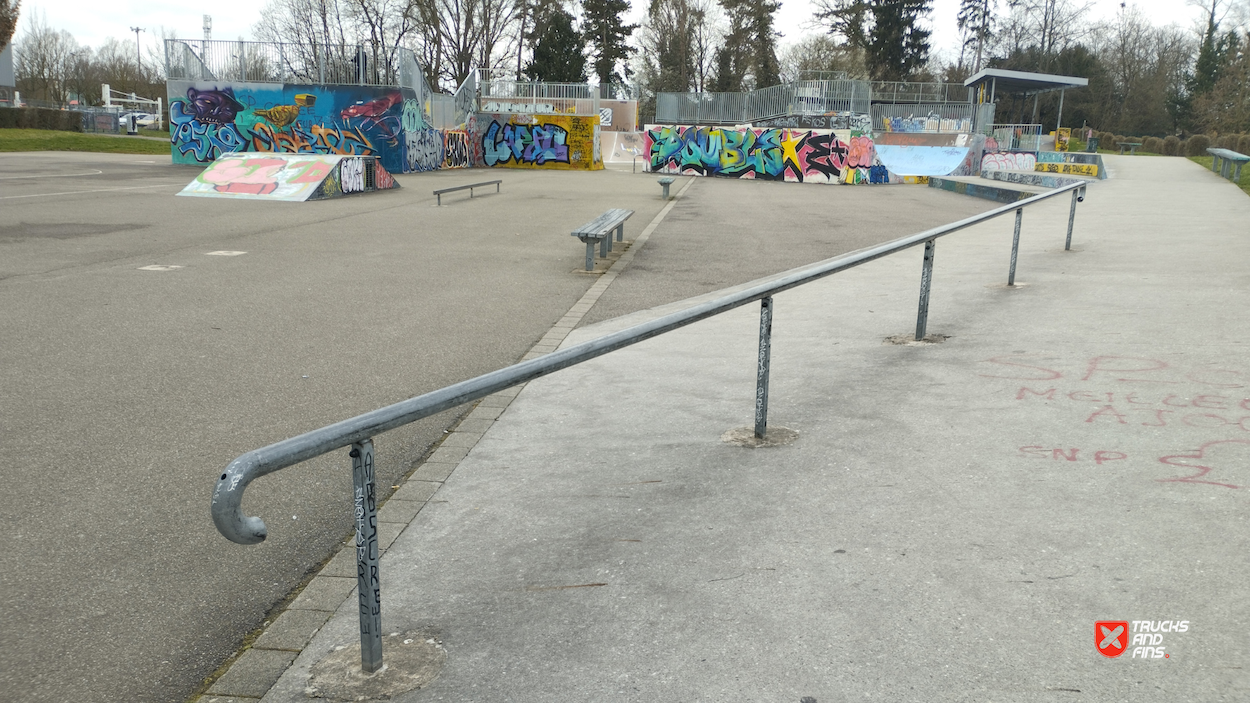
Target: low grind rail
column 357, row 432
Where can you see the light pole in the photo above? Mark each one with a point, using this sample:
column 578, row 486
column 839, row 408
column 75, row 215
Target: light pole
column 138, row 50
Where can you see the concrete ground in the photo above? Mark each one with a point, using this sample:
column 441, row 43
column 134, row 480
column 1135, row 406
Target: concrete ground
column 950, row 524
column 124, row 391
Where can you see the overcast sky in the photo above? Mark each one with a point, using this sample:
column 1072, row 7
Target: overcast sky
column 92, row 21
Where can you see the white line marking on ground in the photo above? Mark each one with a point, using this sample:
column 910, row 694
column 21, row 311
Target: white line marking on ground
column 160, row 267
column 56, row 175
column 225, row 253
column 99, row 190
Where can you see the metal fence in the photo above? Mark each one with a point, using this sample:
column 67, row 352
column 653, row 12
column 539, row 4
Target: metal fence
column 946, row 118
column 532, row 97
column 817, row 97
column 100, row 120
column 1017, row 137
column 277, row 62
column 357, row 432
column 914, row 92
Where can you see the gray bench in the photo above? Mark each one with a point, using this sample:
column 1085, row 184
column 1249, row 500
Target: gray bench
column 600, row 230
column 471, row 186
column 1229, row 158
column 665, row 183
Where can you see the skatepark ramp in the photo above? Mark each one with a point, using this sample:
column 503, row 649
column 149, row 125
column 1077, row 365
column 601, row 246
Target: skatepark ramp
column 293, row 177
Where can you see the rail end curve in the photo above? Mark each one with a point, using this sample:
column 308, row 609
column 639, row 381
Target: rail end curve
column 228, row 504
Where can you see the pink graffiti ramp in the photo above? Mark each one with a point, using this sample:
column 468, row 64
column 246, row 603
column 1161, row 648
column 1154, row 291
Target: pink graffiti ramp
column 290, row 177
column 921, row 160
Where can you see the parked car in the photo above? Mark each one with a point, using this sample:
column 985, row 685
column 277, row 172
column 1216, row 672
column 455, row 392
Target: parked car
column 144, row 119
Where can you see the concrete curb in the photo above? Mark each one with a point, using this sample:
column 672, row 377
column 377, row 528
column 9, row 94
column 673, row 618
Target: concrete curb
column 259, row 666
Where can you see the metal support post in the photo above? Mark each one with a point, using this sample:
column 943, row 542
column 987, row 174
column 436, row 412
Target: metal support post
column 605, row 245
column 926, row 278
column 1067, row 245
column 761, row 372
column 367, row 585
column 590, row 254
column 620, row 232
column 1015, row 247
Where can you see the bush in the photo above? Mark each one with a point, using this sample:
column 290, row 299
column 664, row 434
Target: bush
column 1228, row 141
column 1172, row 145
column 1243, row 144
column 40, row 118
column 1152, row 144
column 1197, row 145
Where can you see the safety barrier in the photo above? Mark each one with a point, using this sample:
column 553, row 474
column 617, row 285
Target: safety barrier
column 357, row 432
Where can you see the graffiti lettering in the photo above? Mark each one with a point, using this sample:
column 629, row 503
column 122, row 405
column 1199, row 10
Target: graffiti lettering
column 525, row 144
column 1008, row 161
column 352, row 175
column 456, row 150
column 202, row 141
column 413, row 118
column 768, row 154
column 423, row 149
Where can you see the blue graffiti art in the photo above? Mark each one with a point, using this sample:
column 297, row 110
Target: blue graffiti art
column 525, row 144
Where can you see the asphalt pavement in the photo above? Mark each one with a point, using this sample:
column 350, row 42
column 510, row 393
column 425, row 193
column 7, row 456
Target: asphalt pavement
column 954, row 520
column 150, row 339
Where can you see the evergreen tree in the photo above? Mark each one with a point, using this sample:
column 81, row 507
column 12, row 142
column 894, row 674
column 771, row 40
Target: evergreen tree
column 897, row 46
column 976, row 20
column 9, row 10
column 606, row 35
column 888, row 31
column 750, row 48
column 558, row 54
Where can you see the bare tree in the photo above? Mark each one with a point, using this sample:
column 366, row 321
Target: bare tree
column 42, row 60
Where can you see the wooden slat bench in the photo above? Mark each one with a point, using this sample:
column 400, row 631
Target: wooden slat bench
column 471, row 186
column 600, row 230
column 1229, row 158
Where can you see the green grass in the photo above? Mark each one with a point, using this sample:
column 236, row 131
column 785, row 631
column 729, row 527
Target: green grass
column 1244, row 183
column 51, row 140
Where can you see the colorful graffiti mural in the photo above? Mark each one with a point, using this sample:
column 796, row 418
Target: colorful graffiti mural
column 210, row 119
column 1008, row 161
column 817, row 156
column 540, row 141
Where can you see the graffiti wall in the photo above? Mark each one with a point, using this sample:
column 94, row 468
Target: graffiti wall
column 538, row 141
column 854, row 121
column 799, row 155
column 1008, row 161
column 208, row 119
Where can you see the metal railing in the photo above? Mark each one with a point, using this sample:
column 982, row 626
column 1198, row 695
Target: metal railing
column 358, row 431
column 945, row 118
column 1017, row 137
column 915, row 92
column 796, row 98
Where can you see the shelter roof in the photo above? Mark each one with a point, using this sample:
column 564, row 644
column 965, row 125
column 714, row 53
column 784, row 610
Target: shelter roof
column 1024, row 83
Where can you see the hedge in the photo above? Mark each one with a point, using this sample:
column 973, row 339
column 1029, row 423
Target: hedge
column 40, row 118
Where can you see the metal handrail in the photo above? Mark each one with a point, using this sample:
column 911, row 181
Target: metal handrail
column 357, row 432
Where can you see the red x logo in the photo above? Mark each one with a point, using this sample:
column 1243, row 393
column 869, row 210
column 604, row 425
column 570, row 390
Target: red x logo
column 1111, row 636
